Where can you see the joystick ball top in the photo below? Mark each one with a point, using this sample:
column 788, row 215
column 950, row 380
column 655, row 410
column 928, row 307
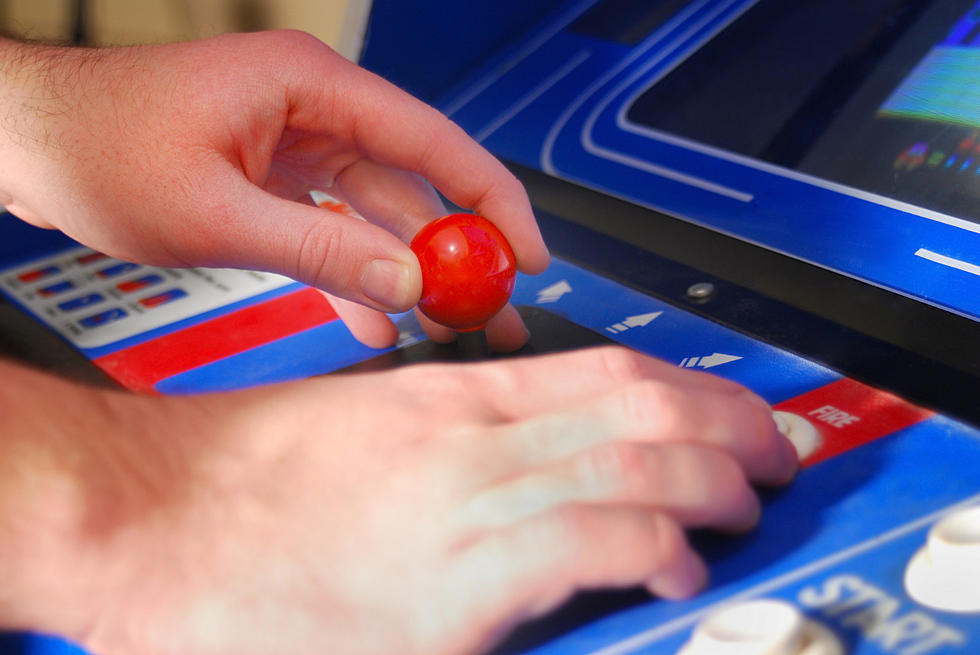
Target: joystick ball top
column 468, row 271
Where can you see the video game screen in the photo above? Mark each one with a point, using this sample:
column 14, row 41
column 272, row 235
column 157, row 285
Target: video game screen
column 883, row 95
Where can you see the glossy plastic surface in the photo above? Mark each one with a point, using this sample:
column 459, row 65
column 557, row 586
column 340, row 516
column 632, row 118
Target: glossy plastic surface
column 468, row 270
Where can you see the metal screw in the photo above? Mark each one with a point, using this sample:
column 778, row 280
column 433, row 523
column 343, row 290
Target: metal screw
column 701, row 291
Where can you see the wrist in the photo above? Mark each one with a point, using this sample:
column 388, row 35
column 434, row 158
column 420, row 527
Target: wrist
column 78, row 477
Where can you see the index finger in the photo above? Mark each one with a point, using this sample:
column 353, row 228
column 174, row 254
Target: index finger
column 562, row 380
column 393, row 128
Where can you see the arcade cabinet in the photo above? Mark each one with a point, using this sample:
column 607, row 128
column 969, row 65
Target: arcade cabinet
column 783, row 193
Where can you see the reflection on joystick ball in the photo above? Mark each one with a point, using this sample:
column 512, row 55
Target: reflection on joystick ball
column 468, row 274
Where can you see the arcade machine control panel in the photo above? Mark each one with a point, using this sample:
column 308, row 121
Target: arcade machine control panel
column 687, row 236
column 867, row 552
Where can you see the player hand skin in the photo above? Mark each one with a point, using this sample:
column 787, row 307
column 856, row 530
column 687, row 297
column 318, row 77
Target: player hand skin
column 204, row 153
column 425, row 510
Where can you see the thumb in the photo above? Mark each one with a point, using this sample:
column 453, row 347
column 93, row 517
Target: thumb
column 342, row 255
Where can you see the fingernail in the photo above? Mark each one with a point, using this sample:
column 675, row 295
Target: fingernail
column 389, row 284
column 686, row 580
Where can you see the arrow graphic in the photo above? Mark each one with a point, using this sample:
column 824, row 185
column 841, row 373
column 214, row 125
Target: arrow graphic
column 640, row 320
column 554, row 292
column 407, row 338
column 708, row 361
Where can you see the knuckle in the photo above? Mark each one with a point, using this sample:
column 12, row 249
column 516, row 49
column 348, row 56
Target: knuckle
column 432, row 384
column 760, row 434
column 618, row 364
column 652, row 406
column 498, row 188
column 322, row 243
column 564, row 528
column 565, row 533
column 499, row 377
column 431, row 151
column 505, row 185
column 445, row 391
column 613, row 470
column 298, row 39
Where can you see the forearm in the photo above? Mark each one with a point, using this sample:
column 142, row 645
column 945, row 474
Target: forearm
column 26, row 73
column 25, row 105
column 70, row 482
column 43, row 94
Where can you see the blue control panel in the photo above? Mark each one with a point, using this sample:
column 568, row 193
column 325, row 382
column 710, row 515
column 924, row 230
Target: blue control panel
column 836, row 546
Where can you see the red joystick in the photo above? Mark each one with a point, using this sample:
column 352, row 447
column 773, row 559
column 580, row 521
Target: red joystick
column 468, row 271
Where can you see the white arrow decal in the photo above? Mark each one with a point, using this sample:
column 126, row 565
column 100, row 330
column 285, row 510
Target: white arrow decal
column 714, row 359
column 407, row 338
column 640, row 320
column 554, row 292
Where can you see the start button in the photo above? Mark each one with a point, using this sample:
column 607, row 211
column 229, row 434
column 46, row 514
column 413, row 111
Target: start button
column 761, row 627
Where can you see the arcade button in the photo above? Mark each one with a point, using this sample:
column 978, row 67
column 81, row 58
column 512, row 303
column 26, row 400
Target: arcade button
column 163, row 298
column 98, row 320
column 799, row 431
column 55, row 289
column 761, row 627
column 81, row 301
column 130, row 286
column 38, row 274
column 117, row 269
column 943, row 574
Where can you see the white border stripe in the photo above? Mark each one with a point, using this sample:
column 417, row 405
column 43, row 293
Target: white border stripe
column 533, row 95
column 791, row 174
column 492, row 76
column 948, row 261
column 588, row 129
column 970, row 314
column 546, row 163
column 672, row 174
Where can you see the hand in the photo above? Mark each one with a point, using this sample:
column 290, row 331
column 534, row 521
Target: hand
column 421, row 511
column 203, row 154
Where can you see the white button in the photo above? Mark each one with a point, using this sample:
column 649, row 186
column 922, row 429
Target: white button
column 760, row 627
column 944, row 573
column 799, row 431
